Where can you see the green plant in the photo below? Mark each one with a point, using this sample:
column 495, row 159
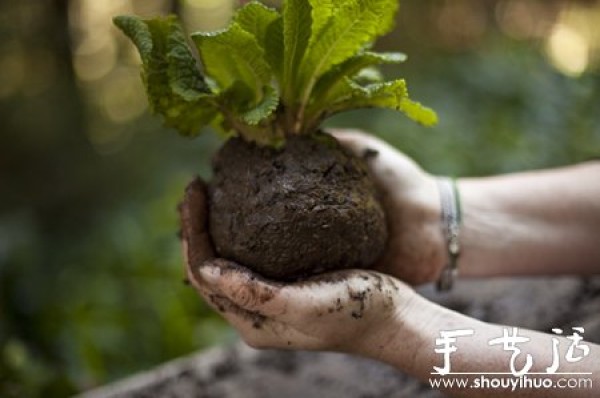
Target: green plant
column 280, row 186
column 271, row 74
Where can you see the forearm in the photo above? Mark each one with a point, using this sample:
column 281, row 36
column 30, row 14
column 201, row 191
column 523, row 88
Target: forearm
column 545, row 222
column 409, row 344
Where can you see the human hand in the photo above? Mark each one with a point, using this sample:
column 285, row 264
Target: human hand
column 416, row 250
column 348, row 311
column 353, row 311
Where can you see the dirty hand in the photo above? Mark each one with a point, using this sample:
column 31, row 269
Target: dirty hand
column 342, row 311
column 416, row 250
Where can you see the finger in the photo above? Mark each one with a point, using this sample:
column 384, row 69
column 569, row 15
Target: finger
column 345, row 293
column 236, row 315
column 392, row 171
column 256, row 330
column 248, row 324
column 263, row 332
column 378, row 154
column 202, row 287
column 230, row 311
column 350, row 293
column 361, row 144
column 245, row 289
column 196, row 243
column 194, row 221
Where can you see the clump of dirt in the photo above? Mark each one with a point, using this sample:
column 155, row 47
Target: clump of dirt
column 302, row 209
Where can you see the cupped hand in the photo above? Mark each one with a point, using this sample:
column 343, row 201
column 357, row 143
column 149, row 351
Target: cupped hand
column 416, row 250
column 342, row 311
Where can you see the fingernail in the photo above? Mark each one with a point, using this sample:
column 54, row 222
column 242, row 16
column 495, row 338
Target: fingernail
column 210, row 273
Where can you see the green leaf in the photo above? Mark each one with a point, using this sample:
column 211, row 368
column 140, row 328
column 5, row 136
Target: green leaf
column 418, row 112
column 355, row 24
column 255, row 18
column 266, row 25
column 322, row 11
column 315, row 50
column 274, row 48
column 138, row 32
column 175, row 87
column 392, row 95
column 232, row 56
column 334, row 80
column 297, row 22
column 265, row 109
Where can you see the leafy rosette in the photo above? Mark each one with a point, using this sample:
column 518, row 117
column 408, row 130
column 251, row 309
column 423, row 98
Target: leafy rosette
column 270, row 74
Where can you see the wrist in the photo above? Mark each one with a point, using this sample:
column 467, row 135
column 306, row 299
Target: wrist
column 438, row 241
column 424, row 216
column 451, row 219
column 488, row 230
column 402, row 339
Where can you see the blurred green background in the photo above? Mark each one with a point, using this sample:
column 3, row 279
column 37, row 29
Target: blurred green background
column 90, row 270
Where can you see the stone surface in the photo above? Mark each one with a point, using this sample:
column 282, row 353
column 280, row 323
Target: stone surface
column 239, row 371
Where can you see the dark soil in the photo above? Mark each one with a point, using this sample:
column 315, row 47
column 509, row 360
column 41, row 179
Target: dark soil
column 299, row 210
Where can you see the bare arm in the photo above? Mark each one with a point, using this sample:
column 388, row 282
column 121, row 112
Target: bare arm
column 534, row 223
column 359, row 312
column 410, row 345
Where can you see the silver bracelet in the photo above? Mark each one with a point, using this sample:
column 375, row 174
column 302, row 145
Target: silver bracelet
column 451, row 218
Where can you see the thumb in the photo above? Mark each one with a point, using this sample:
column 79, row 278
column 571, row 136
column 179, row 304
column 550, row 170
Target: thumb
column 390, row 168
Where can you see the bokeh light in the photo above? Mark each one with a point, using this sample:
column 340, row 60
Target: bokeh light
column 568, row 50
column 573, row 45
column 207, row 15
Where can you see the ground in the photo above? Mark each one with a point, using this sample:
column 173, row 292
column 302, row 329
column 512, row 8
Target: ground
column 239, row 371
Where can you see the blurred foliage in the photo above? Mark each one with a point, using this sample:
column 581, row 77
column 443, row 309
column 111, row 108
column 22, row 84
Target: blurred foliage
column 90, row 271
